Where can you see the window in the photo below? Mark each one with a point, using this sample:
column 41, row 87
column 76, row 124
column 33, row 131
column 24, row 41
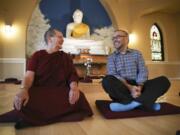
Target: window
column 157, row 50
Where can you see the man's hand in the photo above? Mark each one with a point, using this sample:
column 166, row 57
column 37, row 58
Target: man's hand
column 135, row 91
column 20, row 99
column 73, row 95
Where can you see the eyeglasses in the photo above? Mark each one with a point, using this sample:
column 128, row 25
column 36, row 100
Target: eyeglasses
column 118, row 37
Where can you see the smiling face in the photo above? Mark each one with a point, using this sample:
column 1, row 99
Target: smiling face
column 120, row 39
column 55, row 42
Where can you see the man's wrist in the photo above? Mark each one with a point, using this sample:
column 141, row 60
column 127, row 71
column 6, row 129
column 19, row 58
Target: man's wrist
column 130, row 87
column 141, row 86
column 73, row 85
column 22, row 87
column 74, row 89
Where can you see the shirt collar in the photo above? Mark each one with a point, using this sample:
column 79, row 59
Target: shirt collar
column 127, row 51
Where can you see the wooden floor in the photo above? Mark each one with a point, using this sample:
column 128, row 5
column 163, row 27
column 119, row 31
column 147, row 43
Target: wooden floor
column 97, row 125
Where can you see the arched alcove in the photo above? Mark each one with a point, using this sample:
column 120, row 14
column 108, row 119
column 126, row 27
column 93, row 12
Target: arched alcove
column 58, row 14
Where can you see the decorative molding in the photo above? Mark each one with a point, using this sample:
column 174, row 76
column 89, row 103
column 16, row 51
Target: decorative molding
column 163, row 62
column 14, row 61
column 174, row 78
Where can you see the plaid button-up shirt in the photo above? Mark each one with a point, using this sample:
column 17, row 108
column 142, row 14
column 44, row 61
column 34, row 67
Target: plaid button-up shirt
column 128, row 66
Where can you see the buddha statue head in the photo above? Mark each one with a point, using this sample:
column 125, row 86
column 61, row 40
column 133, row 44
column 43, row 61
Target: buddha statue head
column 78, row 16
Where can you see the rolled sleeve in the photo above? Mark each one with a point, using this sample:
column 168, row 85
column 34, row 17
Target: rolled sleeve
column 142, row 70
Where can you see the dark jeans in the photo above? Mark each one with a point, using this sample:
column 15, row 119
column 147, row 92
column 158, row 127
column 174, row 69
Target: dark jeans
column 151, row 91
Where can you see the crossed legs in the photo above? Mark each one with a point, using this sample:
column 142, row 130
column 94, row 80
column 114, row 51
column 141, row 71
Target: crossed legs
column 122, row 98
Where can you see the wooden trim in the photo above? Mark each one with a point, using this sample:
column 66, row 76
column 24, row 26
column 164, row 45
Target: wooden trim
column 15, row 61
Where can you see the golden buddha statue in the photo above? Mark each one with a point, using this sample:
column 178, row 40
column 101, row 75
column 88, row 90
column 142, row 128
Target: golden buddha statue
column 78, row 39
column 77, row 29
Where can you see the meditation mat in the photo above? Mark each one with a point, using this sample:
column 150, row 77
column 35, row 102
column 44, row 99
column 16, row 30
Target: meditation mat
column 166, row 108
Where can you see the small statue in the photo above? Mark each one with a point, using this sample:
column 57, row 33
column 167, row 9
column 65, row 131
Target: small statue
column 77, row 29
column 88, row 66
column 87, row 78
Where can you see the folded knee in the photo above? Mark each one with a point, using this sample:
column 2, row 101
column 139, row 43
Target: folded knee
column 165, row 81
column 108, row 78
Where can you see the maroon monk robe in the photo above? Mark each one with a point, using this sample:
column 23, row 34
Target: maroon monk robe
column 49, row 94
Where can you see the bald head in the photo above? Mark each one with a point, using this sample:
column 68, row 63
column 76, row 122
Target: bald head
column 49, row 33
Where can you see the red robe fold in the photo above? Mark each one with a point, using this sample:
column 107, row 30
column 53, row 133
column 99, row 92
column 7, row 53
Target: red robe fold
column 49, row 95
